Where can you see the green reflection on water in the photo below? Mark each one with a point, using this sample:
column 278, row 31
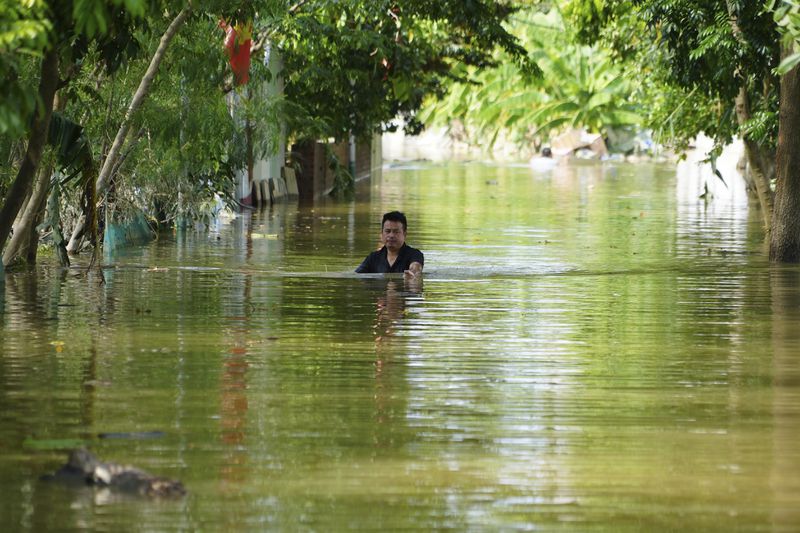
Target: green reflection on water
column 589, row 351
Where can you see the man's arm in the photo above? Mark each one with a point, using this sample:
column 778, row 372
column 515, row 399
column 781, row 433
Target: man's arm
column 363, row 267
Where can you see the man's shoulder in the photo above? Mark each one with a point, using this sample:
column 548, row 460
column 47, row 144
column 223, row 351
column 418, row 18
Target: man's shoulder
column 370, row 263
column 376, row 253
column 413, row 252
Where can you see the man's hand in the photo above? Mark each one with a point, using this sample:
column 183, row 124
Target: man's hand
column 414, row 271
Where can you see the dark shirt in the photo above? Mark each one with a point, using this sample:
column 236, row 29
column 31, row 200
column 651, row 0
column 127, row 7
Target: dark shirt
column 377, row 262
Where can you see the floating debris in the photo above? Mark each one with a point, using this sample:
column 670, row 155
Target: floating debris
column 84, row 468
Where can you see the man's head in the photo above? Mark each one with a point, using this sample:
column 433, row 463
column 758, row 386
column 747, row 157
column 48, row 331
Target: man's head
column 393, row 230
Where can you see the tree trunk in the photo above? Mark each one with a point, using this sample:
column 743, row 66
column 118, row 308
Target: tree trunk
column 27, row 222
column 784, row 243
column 36, row 141
column 25, row 238
column 759, row 169
column 32, row 245
column 105, row 175
column 76, row 237
column 22, row 208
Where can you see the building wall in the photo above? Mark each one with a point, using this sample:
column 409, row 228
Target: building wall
column 315, row 177
column 269, row 167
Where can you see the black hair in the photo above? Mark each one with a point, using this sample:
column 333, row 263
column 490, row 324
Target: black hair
column 395, row 216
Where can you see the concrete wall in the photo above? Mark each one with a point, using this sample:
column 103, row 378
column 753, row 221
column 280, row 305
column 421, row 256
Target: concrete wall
column 267, row 172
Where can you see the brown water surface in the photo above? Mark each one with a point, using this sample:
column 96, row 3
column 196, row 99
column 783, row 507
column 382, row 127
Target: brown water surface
column 592, row 349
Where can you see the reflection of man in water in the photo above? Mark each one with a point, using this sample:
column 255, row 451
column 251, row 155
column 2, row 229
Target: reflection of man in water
column 391, row 307
column 396, row 255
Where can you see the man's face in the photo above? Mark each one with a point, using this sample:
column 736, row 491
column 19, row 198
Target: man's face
column 392, row 235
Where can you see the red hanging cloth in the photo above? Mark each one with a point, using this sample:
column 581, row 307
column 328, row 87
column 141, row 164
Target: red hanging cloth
column 238, row 40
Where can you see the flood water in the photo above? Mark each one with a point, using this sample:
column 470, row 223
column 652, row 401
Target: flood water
column 592, row 349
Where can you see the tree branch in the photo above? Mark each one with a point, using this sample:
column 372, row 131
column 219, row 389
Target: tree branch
column 269, row 32
column 103, row 179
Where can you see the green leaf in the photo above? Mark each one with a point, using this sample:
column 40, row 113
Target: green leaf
column 788, row 63
column 621, row 117
column 598, row 100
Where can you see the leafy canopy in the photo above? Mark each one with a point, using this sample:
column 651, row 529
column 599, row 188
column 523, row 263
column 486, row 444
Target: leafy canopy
column 354, row 65
column 695, row 56
column 581, row 86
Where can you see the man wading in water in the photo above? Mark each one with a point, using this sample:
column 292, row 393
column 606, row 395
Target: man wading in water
column 396, row 255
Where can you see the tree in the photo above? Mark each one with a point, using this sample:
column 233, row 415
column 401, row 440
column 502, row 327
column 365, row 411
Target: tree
column 580, row 87
column 19, row 189
column 726, row 54
column 138, row 97
column 100, row 37
column 23, row 35
column 192, row 147
column 355, row 65
column 112, row 158
column 61, row 32
column 24, row 41
column 160, row 127
column 785, row 234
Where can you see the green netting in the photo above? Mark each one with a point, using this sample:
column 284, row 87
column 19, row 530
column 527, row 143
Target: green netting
column 129, row 233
